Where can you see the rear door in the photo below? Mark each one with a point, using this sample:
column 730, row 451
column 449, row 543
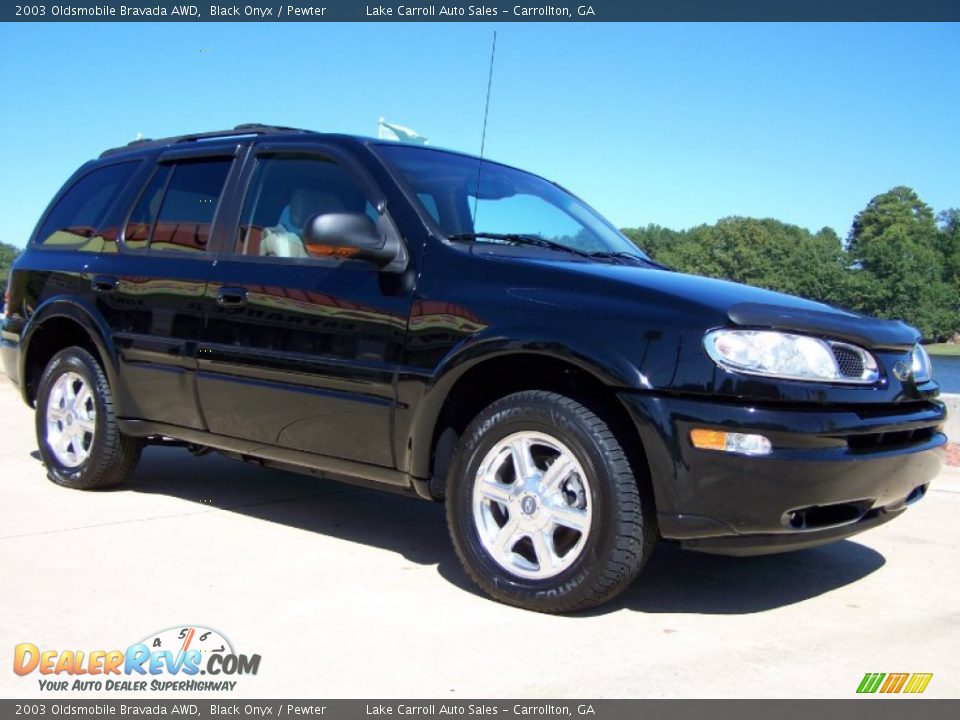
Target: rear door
column 299, row 350
column 151, row 292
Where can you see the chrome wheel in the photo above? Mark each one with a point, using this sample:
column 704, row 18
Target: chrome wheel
column 531, row 505
column 71, row 420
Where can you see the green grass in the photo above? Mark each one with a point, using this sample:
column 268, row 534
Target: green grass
column 943, row 349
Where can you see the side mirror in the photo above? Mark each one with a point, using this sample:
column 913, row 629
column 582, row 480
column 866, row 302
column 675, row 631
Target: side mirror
column 347, row 235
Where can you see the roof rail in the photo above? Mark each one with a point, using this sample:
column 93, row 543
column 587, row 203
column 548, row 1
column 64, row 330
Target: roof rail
column 238, row 131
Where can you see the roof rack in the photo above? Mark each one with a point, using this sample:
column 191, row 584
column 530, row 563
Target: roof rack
column 238, row 131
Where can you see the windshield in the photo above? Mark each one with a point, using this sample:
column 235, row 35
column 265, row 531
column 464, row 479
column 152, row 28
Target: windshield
column 467, row 197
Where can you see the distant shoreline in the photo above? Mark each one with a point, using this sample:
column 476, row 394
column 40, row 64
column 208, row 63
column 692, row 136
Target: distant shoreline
column 943, row 349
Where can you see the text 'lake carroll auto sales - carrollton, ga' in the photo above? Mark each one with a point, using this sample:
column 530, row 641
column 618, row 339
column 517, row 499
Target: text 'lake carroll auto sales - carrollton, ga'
column 489, row 709
column 484, row 11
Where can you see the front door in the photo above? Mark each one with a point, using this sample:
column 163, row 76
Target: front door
column 299, row 351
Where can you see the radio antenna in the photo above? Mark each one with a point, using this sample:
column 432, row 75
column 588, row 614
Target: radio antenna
column 483, row 135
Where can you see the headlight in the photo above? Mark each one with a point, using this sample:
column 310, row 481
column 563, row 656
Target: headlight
column 791, row 357
column 920, row 364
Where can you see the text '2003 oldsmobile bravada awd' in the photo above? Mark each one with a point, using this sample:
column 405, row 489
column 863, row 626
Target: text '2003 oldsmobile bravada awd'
column 450, row 328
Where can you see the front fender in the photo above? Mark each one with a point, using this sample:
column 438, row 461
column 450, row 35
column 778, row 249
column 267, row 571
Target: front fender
column 603, row 361
column 606, row 361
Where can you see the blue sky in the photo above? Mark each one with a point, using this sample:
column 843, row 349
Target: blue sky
column 670, row 124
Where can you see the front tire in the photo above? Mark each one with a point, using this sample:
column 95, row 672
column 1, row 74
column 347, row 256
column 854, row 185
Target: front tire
column 543, row 506
column 77, row 432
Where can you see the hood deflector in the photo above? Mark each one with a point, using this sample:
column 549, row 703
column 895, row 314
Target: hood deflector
column 860, row 330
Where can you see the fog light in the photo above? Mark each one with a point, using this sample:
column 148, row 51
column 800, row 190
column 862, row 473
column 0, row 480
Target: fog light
column 730, row 442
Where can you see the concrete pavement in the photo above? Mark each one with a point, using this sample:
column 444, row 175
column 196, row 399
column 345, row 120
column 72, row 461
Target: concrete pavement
column 347, row 592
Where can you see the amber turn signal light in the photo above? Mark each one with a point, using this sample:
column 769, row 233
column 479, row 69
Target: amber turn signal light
column 742, row 443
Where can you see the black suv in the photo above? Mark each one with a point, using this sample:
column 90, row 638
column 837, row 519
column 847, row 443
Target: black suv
column 449, row 327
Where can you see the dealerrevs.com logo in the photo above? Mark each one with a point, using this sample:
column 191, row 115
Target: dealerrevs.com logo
column 175, row 659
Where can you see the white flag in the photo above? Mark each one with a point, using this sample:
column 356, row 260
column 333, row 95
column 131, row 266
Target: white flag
column 389, row 131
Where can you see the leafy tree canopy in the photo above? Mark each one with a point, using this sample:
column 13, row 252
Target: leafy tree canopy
column 8, row 254
column 900, row 261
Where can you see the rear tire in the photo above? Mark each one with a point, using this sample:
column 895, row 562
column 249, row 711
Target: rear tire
column 77, row 432
column 543, row 507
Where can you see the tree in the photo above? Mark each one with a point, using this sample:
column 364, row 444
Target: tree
column 8, row 253
column 900, row 262
column 767, row 253
column 897, row 209
column 948, row 243
column 899, row 265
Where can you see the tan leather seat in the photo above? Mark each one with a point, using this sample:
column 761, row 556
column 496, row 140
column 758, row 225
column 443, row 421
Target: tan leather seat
column 304, row 203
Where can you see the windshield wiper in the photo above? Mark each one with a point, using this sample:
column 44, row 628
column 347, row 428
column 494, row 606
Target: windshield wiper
column 620, row 254
column 616, row 254
column 519, row 239
column 537, row 241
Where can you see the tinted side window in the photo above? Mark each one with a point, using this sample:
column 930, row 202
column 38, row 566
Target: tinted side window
column 176, row 209
column 75, row 220
column 284, row 193
column 144, row 214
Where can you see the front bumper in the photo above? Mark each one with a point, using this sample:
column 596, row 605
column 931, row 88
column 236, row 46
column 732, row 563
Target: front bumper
column 833, row 472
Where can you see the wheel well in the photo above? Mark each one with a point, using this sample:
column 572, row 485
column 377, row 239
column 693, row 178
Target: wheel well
column 493, row 379
column 47, row 340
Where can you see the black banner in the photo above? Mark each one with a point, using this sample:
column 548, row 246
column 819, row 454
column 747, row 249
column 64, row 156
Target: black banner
column 487, row 11
column 511, row 709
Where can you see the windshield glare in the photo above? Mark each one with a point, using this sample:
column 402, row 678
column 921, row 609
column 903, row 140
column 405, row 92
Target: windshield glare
column 465, row 196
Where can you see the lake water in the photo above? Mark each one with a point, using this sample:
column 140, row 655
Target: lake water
column 946, row 371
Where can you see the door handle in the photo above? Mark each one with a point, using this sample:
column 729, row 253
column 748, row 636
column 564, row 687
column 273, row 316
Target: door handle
column 104, row 283
column 231, row 296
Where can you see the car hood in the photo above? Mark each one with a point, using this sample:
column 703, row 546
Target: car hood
column 744, row 305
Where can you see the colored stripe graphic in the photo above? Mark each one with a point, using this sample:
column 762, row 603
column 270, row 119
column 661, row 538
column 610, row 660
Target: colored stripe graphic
column 918, row 683
column 870, row 682
column 895, row 682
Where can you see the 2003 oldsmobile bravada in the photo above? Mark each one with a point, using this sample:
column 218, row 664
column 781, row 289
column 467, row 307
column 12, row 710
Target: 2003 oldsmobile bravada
column 455, row 329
